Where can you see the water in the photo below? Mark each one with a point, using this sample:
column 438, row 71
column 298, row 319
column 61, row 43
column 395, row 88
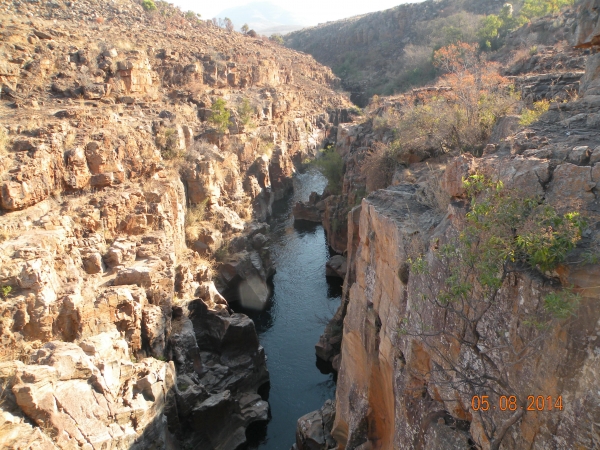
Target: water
column 290, row 326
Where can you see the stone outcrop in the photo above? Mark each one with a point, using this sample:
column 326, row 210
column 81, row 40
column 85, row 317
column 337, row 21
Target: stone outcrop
column 336, row 267
column 118, row 194
column 395, row 389
column 314, row 429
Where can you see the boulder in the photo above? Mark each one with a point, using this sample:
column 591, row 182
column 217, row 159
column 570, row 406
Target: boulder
column 305, row 211
column 313, row 431
column 336, row 267
column 246, row 279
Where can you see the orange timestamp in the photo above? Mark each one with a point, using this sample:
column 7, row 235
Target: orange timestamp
column 510, row 403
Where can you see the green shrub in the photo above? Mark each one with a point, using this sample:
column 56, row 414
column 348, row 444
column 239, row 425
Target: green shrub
column 220, row 115
column 168, row 143
column 518, row 228
column 331, row 165
column 277, row 38
column 5, row 291
column 538, row 8
column 148, row 5
column 245, row 111
column 561, row 304
column 529, row 116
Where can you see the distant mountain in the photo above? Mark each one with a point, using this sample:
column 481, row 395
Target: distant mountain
column 264, row 17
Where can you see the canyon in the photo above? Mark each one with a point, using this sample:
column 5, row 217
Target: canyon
column 144, row 158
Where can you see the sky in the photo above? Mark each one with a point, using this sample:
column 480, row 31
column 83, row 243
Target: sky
column 315, row 11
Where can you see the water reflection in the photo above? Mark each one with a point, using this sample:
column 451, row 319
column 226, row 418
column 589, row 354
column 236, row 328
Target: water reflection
column 288, row 327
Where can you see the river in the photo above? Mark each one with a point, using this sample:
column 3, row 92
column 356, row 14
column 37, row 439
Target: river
column 301, row 298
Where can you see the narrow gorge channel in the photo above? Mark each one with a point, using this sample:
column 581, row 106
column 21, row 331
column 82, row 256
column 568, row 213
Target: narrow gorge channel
column 291, row 324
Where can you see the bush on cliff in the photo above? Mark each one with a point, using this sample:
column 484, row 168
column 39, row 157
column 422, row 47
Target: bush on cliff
column 465, row 282
column 246, row 111
column 379, row 165
column 331, row 165
column 459, row 116
column 148, row 5
column 219, row 115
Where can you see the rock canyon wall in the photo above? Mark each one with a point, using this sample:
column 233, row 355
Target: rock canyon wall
column 403, row 383
column 119, row 189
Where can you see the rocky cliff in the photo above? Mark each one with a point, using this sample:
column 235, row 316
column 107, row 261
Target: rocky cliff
column 119, row 190
column 408, row 369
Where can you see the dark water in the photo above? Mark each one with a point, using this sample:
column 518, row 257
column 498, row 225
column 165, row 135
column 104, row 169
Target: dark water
column 291, row 325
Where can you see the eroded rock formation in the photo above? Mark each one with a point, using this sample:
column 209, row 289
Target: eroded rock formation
column 399, row 389
column 118, row 193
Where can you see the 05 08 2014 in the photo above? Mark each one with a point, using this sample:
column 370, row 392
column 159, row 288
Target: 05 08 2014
column 511, row 403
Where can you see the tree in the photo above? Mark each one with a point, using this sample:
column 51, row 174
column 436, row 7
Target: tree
column 228, row 24
column 476, row 347
column 220, row 115
column 148, row 5
column 245, row 28
column 538, row 8
column 331, row 165
column 246, row 111
column 277, row 38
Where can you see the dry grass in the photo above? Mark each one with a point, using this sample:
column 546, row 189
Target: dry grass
column 193, row 217
column 379, row 166
column 69, row 140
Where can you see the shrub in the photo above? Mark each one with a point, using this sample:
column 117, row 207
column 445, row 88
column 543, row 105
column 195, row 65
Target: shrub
column 5, row 291
column 277, row 38
column 5, row 235
column 3, row 141
column 518, row 228
column 193, row 216
column 245, row 28
column 148, row 5
column 220, row 115
column 529, row 116
column 561, row 304
column 222, row 252
column 168, row 142
column 331, row 165
column 379, row 165
column 538, row 8
column 245, row 111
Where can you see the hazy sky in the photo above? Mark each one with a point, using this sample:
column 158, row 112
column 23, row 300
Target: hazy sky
column 315, row 11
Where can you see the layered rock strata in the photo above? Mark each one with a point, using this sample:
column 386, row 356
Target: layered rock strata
column 124, row 205
column 395, row 389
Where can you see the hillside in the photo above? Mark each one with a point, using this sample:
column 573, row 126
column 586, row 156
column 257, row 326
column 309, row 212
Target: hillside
column 389, row 51
column 136, row 146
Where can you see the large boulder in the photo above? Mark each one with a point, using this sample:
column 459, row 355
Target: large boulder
column 336, row 267
column 313, row 431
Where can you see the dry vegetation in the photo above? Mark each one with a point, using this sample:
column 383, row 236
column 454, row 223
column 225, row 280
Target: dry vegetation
column 457, row 117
